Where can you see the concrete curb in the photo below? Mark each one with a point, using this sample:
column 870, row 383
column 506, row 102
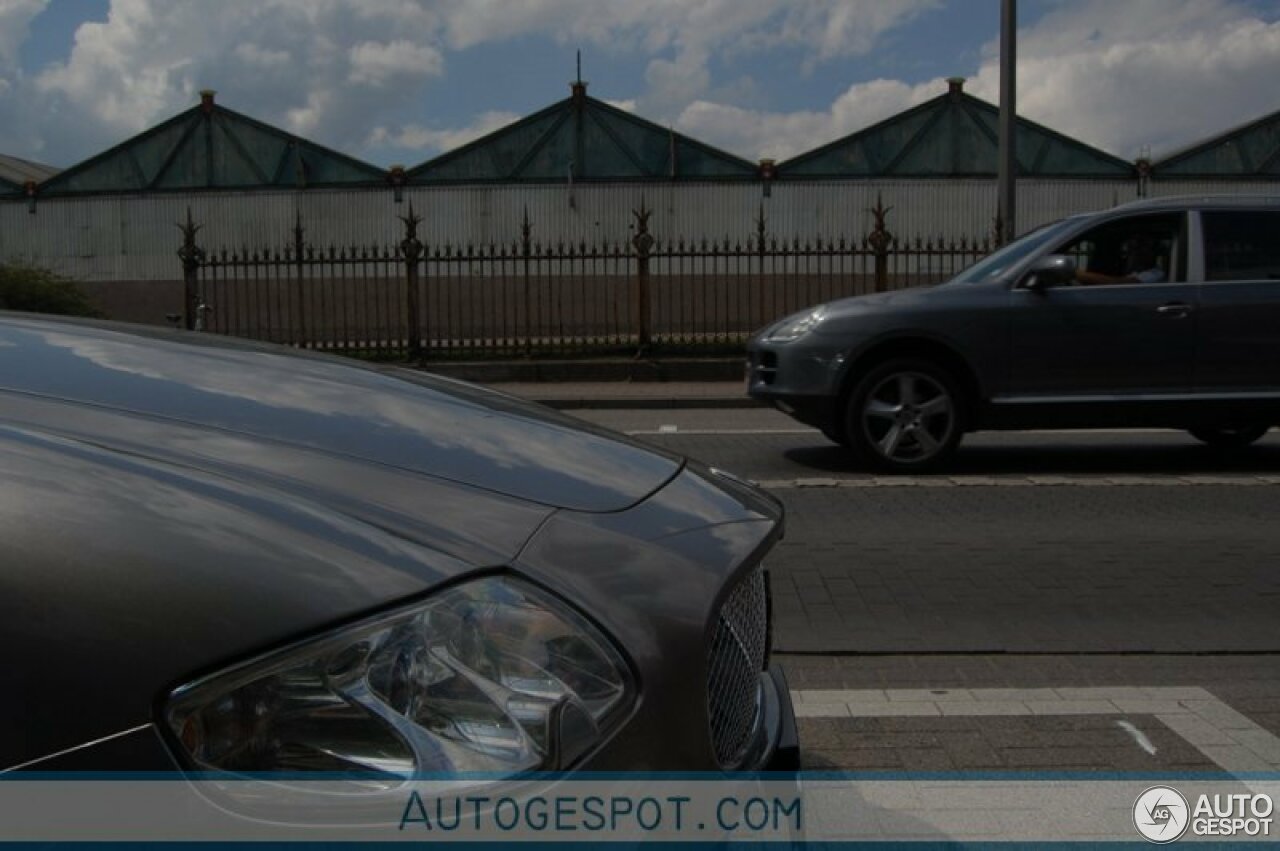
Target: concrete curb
column 644, row 371
column 645, row 403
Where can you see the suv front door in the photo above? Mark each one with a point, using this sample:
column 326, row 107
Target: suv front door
column 1124, row 339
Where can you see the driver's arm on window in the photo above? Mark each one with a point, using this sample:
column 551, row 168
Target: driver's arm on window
column 1154, row 275
column 1084, row 276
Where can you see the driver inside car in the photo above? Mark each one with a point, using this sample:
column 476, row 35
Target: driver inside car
column 1141, row 263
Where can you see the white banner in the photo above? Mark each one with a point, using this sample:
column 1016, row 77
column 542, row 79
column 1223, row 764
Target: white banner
column 624, row 808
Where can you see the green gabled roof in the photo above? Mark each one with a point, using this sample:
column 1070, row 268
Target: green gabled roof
column 211, row 147
column 596, row 140
column 953, row 135
column 15, row 172
column 1252, row 150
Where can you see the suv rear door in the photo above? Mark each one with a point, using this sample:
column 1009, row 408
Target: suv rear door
column 1239, row 327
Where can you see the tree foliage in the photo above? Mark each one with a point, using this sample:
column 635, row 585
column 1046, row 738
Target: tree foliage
column 36, row 290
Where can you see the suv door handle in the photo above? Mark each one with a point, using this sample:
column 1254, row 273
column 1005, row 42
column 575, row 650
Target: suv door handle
column 1175, row 310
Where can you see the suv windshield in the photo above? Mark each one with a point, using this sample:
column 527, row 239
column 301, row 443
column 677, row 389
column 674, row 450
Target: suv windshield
column 994, row 265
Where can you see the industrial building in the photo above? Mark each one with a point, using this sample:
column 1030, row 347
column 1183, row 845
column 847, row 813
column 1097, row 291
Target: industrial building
column 574, row 172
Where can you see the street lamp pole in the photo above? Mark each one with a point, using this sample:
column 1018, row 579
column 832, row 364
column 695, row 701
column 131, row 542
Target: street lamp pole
column 1007, row 208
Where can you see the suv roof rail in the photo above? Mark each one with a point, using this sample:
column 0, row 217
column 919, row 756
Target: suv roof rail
column 1206, row 199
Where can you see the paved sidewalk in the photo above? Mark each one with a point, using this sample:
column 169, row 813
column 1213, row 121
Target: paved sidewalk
column 1038, row 712
column 632, row 394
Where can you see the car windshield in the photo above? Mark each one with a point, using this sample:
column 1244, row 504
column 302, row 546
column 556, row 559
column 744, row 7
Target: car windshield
column 994, row 265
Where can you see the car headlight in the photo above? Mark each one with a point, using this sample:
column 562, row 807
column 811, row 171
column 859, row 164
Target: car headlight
column 797, row 326
column 492, row 675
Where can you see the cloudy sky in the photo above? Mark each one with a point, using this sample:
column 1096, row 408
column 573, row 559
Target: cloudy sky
column 402, row 80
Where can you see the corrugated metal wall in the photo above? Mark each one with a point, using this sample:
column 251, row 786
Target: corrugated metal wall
column 930, row 209
column 135, row 238
column 1167, row 188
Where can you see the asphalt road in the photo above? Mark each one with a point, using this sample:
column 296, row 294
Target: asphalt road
column 1064, row 542
column 1071, row 601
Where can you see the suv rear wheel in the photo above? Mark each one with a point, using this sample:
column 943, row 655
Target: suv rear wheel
column 1225, row 437
column 904, row 416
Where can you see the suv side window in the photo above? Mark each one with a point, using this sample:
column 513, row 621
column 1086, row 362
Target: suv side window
column 1136, row 249
column 1241, row 245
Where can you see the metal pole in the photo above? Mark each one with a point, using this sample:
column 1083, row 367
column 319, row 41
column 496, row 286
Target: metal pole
column 1008, row 117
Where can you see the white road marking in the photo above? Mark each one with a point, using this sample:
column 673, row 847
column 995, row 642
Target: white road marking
column 711, row 432
column 706, row 432
column 1138, row 736
column 1223, row 735
column 1085, row 481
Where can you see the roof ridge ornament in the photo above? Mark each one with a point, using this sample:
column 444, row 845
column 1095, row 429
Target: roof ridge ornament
column 579, row 86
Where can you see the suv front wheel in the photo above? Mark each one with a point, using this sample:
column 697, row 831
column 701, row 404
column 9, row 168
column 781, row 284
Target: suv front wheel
column 904, row 416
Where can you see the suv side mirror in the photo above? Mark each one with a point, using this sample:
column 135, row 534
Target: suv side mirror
column 1051, row 270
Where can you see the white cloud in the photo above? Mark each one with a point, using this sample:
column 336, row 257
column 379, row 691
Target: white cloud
column 417, row 139
column 626, row 104
column 1118, row 75
column 15, row 21
column 1158, row 74
column 687, row 35
column 254, row 54
column 378, row 63
column 335, row 68
column 780, row 135
column 300, row 59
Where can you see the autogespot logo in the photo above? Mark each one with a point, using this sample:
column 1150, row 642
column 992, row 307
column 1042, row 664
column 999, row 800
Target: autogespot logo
column 1160, row 814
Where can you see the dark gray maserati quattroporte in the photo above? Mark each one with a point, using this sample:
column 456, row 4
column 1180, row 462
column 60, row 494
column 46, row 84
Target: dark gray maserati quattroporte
column 224, row 556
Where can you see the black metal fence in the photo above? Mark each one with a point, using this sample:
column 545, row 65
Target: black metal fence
column 524, row 298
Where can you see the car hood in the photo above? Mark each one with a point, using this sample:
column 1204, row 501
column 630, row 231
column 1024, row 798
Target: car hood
column 896, row 298
column 172, row 503
column 398, row 419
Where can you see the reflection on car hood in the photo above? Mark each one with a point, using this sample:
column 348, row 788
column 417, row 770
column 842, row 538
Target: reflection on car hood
column 433, row 427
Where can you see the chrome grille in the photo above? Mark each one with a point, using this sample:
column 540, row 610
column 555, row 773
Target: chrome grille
column 736, row 658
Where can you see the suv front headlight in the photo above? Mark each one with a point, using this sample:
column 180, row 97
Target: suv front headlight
column 492, row 675
column 797, row 326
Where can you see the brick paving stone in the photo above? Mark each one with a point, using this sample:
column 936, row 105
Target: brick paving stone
column 1070, row 707
column 985, row 707
column 971, row 752
column 857, row 759
column 925, row 759
column 1237, row 758
column 1261, row 742
column 1139, row 568
column 1061, row 758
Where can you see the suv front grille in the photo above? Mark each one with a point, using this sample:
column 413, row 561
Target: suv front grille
column 735, row 661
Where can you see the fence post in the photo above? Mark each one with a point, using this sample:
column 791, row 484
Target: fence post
column 299, row 246
column 526, row 254
column 411, row 250
column 761, row 318
column 191, row 256
column 643, row 244
column 880, row 239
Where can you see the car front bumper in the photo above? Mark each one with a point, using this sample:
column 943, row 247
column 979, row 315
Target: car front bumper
column 801, row 378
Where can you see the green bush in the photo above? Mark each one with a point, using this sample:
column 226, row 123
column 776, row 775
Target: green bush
column 36, row 290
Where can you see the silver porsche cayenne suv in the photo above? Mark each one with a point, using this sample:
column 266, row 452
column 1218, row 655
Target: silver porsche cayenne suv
column 1159, row 313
